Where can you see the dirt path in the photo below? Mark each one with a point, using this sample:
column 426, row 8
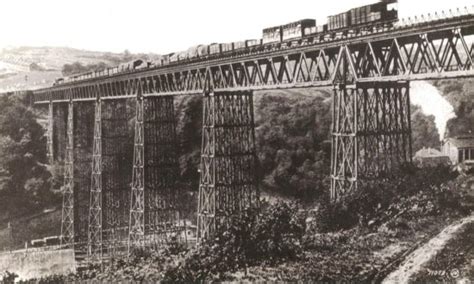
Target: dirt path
column 423, row 254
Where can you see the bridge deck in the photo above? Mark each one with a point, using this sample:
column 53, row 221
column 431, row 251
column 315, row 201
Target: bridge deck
column 429, row 50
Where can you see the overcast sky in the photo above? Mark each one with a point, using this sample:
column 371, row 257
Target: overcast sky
column 166, row 26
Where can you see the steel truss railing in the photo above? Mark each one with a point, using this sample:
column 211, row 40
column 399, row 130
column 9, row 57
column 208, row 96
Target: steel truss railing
column 432, row 50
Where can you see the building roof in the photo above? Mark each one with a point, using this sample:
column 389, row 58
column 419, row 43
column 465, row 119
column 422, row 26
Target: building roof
column 461, row 141
column 428, row 153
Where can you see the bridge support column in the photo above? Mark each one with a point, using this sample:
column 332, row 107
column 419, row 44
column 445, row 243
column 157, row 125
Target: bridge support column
column 136, row 237
column 228, row 175
column 94, row 238
column 154, row 208
column 109, row 198
column 67, row 218
column 371, row 133
column 50, row 134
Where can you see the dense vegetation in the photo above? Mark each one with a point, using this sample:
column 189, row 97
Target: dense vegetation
column 25, row 180
column 78, row 68
column 424, row 131
column 293, row 140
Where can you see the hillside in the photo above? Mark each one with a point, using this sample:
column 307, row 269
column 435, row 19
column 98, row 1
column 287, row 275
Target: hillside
column 36, row 67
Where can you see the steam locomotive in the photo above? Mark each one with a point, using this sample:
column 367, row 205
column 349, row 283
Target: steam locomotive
column 384, row 12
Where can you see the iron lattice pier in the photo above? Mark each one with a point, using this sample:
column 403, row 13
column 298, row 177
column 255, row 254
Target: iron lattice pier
column 109, row 199
column 68, row 216
column 50, row 134
column 371, row 133
column 155, row 211
column 137, row 199
column 228, row 181
column 94, row 237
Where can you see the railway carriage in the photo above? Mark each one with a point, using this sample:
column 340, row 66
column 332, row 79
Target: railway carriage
column 239, row 45
column 297, row 29
column 273, row 34
column 215, row 48
column 384, row 11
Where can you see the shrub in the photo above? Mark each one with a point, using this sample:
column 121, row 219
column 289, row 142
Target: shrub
column 9, row 277
column 267, row 235
column 411, row 191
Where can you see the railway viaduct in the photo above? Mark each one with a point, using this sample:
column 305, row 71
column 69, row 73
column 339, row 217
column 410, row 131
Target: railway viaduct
column 369, row 70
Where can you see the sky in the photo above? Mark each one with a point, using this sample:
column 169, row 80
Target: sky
column 166, row 26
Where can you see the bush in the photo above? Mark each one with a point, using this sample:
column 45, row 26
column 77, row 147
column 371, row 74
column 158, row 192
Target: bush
column 268, row 235
column 412, row 192
column 9, row 277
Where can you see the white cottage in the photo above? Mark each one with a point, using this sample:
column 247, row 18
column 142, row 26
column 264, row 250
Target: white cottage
column 429, row 157
column 459, row 149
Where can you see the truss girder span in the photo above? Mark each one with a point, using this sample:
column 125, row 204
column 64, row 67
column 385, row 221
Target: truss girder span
column 154, row 215
column 435, row 51
column 228, row 181
column 371, row 133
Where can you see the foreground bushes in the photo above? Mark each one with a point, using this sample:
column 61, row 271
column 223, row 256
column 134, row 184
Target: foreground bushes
column 273, row 243
column 265, row 236
column 411, row 192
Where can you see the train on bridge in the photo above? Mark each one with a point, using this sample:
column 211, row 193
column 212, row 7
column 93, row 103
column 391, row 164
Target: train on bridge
column 382, row 14
column 378, row 17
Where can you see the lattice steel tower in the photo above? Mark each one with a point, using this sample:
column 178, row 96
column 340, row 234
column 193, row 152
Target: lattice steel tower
column 50, row 133
column 137, row 200
column 67, row 220
column 228, row 173
column 94, row 239
column 371, row 128
column 154, row 212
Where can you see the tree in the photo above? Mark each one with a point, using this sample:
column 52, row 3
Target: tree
column 79, row 68
column 24, row 177
column 424, row 131
column 292, row 129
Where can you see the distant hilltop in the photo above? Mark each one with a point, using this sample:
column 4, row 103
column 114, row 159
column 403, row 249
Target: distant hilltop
column 37, row 67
